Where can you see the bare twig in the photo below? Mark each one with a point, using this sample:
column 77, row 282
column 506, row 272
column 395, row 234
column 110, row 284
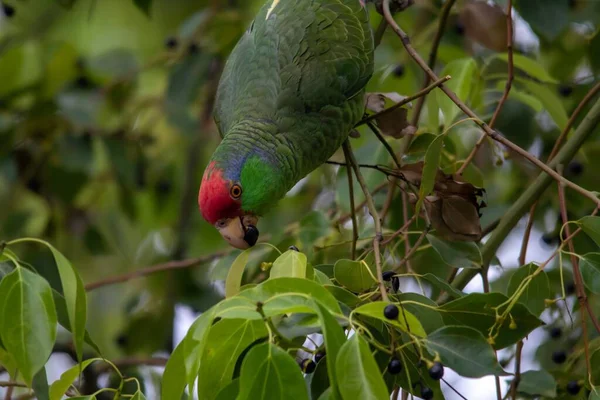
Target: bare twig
column 582, row 104
column 399, row 231
column 454, row 389
column 515, row 383
column 133, row 362
column 509, row 81
column 168, row 266
column 463, row 107
column 438, row 82
column 352, row 206
column 433, row 56
column 379, row 32
column 412, row 251
column 385, row 143
column 12, row 384
column 374, row 215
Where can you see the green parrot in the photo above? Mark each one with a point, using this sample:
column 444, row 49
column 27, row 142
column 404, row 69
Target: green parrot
column 290, row 93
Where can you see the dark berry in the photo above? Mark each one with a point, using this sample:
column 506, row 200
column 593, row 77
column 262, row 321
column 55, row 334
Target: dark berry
column 391, row 311
column 555, row 332
column 565, row 90
column 387, row 275
column 396, row 283
column 163, row 186
column 573, row 387
column 83, row 82
column 559, row 357
column 319, row 356
column 308, row 366
column 293, row 248
column 426, row 393
column 570, row 288
column 193, row 48
column 399, row 71
column 9, row 11
column 575, row 168
column 122, row 340
column 459, row 28
column 549, row 238
column 436, row 372
column 394, row 366
column 171, row 43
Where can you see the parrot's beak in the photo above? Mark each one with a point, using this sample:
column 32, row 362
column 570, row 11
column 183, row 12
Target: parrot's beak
column 240, row 232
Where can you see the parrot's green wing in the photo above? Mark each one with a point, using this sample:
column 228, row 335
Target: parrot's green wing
column 298, row 57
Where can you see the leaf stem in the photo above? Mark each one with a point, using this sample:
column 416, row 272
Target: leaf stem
column 352, row 206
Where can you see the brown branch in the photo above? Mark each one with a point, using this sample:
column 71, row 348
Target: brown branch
column 399, row 231
column 507, row 87
column 373, row 211
column 132, row 362
column 385, row 143
column 412, row 251
column 168, row 266
column 352, row 206
column 12, row 384
column 420, row 94
column 463, row 107
column 433, row 56
column 515, row 383
column 582, row 104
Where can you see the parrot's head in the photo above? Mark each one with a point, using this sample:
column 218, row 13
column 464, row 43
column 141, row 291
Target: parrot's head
column 221, row 202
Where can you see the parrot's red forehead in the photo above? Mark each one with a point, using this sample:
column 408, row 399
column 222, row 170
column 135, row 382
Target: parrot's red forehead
column 214, row 200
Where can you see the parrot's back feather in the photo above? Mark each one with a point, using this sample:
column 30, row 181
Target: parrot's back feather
column 293, row 87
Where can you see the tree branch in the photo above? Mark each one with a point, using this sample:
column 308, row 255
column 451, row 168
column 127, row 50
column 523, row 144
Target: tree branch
column 352, row 206
column 515, row 383
column 509, row 81
column 463, row 107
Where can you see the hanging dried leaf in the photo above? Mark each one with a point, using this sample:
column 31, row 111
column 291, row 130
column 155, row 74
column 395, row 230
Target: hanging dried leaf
column 376, row 102
column 485, row 24
column 354, row 134
column 395, row 123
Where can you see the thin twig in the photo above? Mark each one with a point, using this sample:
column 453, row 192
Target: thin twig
column 438, row 82
column 507, row 87
column 582, row 104
column 412, row 251
column 379, row 32
column 373, row 210
column 399, row 231
column 385, row 143
column 515, row 383
column 388, row 199
column 433, row 56
column 454, row 389
column 465, row 109
column 12, row 384
column 171, row 265
column 352, row 206
column 133, row 362
column 407, row 249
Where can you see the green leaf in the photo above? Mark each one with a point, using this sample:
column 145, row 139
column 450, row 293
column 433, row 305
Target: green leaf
column 230, row 391
column 74, row 294
column 290, row 264
column 375, row 310
column 269, row 372
column 63, row 319
column 442, row 285
column 321, row 277
column 527, row 65
column 551, row 102
column 226, row 341
column 27, row 320
column 8, row 362
column 143, row 5
column 595, row 393
column 477, row 311
column 595, row 363
column 463, row 72
column 457, row 254
column 318, row 381
column 273, row 287
column 464, row 350
column 591, row 227
column 40, row 385
column 537, row 291
column 548, row 18
column 60, row 387
column 234, row 277
column 138, row 396
column 537, row 383
column 334, row 339
column 343, row 295
column 357, row 372
column 430, row 169
column 354, row 275
column 423, row 308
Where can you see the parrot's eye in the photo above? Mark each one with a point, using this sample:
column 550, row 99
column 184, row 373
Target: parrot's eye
column 235, row 191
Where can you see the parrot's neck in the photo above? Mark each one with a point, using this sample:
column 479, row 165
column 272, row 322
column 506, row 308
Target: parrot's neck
column 265, row 168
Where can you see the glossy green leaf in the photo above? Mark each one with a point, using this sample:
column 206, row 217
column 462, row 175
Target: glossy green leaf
column 590, row 271
column 591, row 227
column 357, row 372
column 430, row 169
column 406, row 321
column 595, row 363
column 457, row 254
column 476, row 310
column 63, row 319
column 552, row 104
column 8, row 362
column 595, row 393
column 356, row 276
column 527, row 65
column 40, row 385
column 138, row 396
column 334, row 338
column 423, row 308
column 269, row 372
column 234, row 277
column 537, row 383
column 343, row 295
column 442, row 285
column 463, row 72
column 464, row 350
column 230, row 391
column 27, row 320
column 290, row 264
column 536, row 292
column 318, row 381
column 321, row 277
column 226, row 341
column 60, row 387
column 143, row 5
